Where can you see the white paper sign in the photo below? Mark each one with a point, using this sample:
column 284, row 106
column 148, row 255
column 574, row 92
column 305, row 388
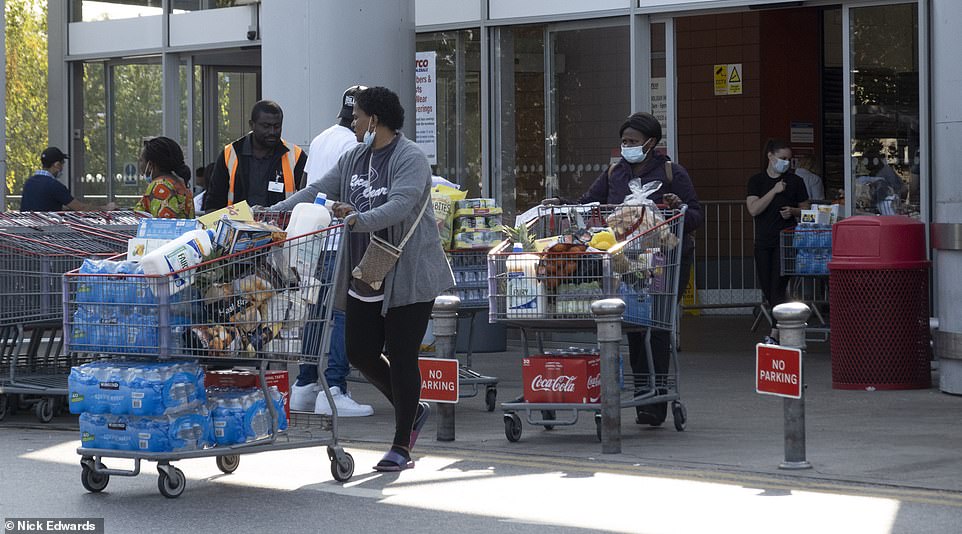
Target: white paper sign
column 425, row 98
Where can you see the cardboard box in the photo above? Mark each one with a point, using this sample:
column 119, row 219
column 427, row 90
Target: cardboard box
column 238, row 212
column 238, row 236
column 572, row 378
column 815, row 216
column 249, row 379
column 138, row 246
column 166, row 229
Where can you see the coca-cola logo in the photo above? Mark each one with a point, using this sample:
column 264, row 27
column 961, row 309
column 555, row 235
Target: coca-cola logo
column 594, row 381
column 563, row 383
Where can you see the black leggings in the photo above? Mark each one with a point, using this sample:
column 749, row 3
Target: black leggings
column 365, row 334
column 769, row 270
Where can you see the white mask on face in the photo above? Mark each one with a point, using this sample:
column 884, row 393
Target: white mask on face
column 634, row 154
column 369, row 134
column 781, row 165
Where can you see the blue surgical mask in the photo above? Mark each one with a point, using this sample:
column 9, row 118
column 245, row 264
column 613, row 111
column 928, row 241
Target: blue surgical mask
column 781, row 165
column 369, row 136
column 634, row 154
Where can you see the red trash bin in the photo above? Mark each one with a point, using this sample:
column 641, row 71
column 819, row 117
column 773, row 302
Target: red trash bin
column 879, row 298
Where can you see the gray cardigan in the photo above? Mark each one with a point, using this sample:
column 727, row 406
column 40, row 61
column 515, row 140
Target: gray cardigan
column 422, row 272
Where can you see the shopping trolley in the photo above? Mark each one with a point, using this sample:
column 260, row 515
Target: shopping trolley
column 805, row 253
column 249, row 308
column 555, row 294
column 470, row 270
column 35, row 250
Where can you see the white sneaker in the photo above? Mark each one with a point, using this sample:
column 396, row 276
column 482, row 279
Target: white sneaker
column 304, row 397
column 346, row 406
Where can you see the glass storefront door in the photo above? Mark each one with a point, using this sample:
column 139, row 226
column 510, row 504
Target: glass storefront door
column 885, row 133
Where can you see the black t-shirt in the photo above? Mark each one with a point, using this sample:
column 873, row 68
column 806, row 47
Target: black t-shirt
column 369, row 189
column 769, row 223
column 43, row 193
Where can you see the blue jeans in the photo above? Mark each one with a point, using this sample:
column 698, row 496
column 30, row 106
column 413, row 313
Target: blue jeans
column 338, row 366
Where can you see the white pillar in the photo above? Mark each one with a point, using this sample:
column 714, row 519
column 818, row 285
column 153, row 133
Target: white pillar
column 312, row 51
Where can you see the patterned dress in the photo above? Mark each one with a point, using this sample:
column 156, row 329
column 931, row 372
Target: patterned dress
column 168, row 197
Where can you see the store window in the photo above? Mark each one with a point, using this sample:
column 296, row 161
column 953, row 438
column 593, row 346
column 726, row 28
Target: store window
column 885, row 129
column 559, row 113
column 457, row 109
column 93, row 10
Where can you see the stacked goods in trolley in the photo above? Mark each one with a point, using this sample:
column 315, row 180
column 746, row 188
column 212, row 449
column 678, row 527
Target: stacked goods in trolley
column 241, row 295
column 806, row 251
column 476, row 229
column 35, row 250
column 547, row 275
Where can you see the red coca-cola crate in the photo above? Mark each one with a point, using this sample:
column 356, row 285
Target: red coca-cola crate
column 553, row 378
column 235, row 378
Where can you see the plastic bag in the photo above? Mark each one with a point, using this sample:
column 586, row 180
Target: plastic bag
column 639, row 215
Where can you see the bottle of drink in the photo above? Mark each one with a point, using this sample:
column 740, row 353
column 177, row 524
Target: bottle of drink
column 174, row 259
column 525, row 294
column 303, row 254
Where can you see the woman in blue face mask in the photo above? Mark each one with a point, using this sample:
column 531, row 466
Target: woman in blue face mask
column 641, row 161
column 775, row 199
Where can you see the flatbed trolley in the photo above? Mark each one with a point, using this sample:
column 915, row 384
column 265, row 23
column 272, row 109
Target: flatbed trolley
column 470, row 268
column 35, row 250
column 805, row 253
column 249, row 307
column 642, row 269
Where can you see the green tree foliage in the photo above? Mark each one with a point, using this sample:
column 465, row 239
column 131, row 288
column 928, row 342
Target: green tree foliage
column 26, row 34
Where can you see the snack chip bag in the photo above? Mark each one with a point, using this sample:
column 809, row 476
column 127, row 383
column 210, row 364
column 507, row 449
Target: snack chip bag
column 444, row 199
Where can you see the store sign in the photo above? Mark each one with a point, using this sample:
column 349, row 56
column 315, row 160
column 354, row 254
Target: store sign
column 659, row 107
column 728, row 79
column 778, row 371
column 439, row 379
column 425, row 98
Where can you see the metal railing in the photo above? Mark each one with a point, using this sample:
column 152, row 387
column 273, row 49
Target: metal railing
column 724, row 267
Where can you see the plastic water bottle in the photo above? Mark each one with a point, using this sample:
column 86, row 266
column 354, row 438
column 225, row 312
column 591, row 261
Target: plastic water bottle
column 179, row 254
column 525, row 294
column 303, row 254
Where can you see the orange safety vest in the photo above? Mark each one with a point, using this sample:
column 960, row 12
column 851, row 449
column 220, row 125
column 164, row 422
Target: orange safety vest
column 287, row 167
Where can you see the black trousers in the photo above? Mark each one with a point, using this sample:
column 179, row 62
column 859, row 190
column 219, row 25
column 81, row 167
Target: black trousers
column 768, row 267
column 366, row 333
column 660, row 348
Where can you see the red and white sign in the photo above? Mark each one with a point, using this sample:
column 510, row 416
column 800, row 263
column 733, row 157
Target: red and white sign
column 778, row 371
column 439, row 379
column 562, row 379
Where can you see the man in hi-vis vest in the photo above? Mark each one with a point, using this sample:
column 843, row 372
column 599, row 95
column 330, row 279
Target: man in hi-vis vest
column 261, row 167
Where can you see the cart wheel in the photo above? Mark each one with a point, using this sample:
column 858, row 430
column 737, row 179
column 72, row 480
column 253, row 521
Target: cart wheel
column 491, row 399
column 171, row 485
column 512, row 427
column 93, row 482
column 598, row 425
column 228, row 463
column 44, row 410
column 679, row 414
column 343, row 471
column 548, row 415
column 3, row 406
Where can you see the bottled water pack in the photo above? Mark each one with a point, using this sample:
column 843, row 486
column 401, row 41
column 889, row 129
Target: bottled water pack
column 136, row 388
column 241, row 415
column 170, row 433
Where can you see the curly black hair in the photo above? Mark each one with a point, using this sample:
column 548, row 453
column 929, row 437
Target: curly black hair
column 383, row 103
column 165, row 157
column 266, row 106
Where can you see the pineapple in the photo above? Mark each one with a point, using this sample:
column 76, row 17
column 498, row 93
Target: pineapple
column 520, row 234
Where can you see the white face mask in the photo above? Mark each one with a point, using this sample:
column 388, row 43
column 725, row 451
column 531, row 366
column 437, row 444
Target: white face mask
column 781, row 165
column 634, row 154
column 369, row 134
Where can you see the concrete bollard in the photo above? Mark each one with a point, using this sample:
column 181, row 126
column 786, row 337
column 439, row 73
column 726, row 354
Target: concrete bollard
column 791, row 319
column 445, row 315
column 607, row 314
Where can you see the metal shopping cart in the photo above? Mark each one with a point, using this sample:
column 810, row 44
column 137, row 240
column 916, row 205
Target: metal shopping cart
column 249, row 308
column 554, row 291
column 35, row 250
column 470, row 268
column 805, row 253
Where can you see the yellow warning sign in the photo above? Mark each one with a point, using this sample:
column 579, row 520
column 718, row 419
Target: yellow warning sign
column 728, row 79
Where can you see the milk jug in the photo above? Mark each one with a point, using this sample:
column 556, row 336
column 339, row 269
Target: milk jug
column 525, row 294
column 185, row 252
column 303, row 254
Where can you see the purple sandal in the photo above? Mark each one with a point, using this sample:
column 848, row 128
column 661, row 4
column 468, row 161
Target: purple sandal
column 392, row 462
column 424, row 413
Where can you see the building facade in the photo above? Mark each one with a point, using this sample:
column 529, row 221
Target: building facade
column 525, row 99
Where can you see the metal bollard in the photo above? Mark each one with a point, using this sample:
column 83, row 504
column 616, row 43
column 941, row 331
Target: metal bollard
column 445, row 315
column 607, row 314
column 791, row 319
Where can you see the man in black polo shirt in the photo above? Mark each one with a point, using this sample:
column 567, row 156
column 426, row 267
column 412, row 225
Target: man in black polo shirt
column 43, row 192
